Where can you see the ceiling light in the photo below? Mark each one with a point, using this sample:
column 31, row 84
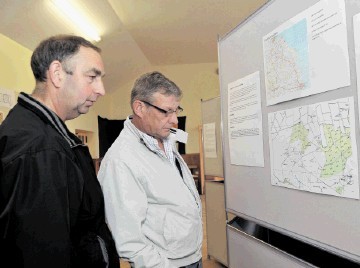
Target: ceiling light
column 77, row 17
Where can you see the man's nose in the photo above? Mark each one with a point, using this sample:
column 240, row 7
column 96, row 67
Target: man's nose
column 100, row 89
column 173, row 118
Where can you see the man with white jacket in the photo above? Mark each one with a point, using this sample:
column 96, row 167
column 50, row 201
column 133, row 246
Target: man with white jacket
column 152, row 205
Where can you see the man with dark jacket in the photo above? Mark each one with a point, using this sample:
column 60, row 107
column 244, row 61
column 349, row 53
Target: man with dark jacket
column 51, row 203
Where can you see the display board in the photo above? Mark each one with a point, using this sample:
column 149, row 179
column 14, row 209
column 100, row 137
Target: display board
column 212, row 141
column 307, row 187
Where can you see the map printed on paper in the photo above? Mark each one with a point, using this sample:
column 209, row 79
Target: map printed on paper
column 307, row 54
column 313, row 148
column 287, row 61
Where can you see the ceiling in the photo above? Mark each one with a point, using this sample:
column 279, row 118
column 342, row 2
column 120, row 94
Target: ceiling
column 135, row 34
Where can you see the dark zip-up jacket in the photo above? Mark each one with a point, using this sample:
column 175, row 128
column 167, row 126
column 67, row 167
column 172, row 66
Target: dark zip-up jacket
column 51, row 203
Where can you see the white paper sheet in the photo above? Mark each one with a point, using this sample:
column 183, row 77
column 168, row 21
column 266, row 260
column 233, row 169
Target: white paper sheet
column 356, row 20
column 308, row 54
column 245, row 121
column 209, row 132
column 313, row 148
column 7, row 98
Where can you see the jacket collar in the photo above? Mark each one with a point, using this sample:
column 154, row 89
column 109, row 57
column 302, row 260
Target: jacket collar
column 151, row 143
column 49, row 117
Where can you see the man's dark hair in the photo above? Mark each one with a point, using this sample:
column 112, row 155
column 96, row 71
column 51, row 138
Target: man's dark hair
column 59, row 47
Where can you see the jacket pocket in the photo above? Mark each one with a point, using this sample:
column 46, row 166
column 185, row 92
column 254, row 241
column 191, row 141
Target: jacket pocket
column 91, row 251
column 181, row 232
column 103, row 250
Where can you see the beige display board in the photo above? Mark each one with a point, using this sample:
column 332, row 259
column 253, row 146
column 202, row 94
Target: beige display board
column 211, row 119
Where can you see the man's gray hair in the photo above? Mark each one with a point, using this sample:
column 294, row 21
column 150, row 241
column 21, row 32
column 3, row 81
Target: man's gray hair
column 150, row 83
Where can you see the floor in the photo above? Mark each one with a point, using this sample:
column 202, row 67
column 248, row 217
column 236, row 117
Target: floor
column 207, row 262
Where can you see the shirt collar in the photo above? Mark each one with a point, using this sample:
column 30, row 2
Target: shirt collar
column 152, row 143
column 50, row 117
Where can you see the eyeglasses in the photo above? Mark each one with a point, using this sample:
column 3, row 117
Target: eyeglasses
column 167, row 113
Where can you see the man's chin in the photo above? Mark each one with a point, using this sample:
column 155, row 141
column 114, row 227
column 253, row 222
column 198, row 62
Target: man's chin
column 84, row 110
column 166, row 135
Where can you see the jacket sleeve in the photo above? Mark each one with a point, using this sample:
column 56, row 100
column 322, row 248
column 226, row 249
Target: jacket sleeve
column 125, row 209
column 36, row 208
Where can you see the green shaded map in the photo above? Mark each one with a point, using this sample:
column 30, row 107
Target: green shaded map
column 313, row 148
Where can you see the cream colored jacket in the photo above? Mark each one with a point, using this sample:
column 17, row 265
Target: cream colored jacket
column 153, row 213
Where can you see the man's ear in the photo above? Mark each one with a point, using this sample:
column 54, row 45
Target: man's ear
column 55, row 73
column 138, row 108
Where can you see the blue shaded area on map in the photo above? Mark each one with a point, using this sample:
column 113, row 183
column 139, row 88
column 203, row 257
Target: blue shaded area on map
column 296, row 38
